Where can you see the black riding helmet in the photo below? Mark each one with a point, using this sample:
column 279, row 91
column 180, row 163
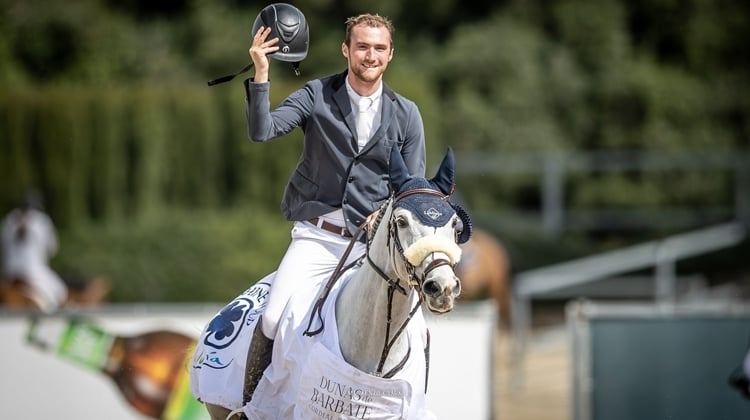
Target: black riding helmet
column 289, row 25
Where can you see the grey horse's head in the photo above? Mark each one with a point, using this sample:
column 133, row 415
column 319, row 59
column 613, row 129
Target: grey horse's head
column 427, row 229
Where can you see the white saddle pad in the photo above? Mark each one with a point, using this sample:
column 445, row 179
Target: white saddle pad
column 308, row 377
column 217, row 371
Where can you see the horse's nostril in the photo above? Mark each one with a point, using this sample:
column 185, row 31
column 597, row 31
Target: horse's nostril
column 457, row 289
column 431, row 288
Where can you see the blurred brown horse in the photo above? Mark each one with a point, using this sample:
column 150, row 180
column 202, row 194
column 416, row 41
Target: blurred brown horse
column 17, row 294
column 485, row 272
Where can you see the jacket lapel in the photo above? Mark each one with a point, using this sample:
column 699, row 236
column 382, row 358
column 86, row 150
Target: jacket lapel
column 341, row 97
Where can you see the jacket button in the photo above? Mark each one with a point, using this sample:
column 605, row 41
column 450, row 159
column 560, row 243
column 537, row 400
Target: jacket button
column 345, row 201
column 351, row 179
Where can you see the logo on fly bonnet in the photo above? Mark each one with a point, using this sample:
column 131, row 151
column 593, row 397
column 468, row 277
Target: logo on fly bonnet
column 432, row 213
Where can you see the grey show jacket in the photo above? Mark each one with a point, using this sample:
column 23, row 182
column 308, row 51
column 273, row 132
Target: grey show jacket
column 331, row 173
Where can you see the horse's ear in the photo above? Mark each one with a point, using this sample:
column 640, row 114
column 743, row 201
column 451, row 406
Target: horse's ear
column 445, row 177
column 399, row 173
column 467, row 228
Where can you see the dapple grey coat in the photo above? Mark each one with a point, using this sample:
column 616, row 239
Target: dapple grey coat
column 331, row 173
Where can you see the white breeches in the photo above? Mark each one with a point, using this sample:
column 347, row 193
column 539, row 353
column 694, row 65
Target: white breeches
column 49, row 292
column 312, row 256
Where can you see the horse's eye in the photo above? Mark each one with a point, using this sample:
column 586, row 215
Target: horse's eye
column 401, row 222
column 458, row 226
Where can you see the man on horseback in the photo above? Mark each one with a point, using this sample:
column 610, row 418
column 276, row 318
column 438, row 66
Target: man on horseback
column 351, row 121
column 29, row 240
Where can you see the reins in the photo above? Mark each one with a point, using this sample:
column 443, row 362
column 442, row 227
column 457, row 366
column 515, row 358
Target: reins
column 394, row 285
column 340, row 269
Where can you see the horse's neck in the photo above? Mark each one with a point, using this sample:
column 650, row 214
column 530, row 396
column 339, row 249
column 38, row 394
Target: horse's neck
column 362, row 318
column 362, row 314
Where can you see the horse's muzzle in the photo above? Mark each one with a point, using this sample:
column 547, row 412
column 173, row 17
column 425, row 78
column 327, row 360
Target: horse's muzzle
column 441, row 291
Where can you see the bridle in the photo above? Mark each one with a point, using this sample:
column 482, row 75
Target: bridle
column 394, row 285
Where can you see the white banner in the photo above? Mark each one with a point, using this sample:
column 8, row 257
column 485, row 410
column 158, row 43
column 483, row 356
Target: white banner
column 38, row 384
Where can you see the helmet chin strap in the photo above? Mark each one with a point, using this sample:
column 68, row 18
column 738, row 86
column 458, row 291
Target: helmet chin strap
column 229, row 77
column 223, row 79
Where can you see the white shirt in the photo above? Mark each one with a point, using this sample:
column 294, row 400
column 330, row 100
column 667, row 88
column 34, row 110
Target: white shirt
column 367, row 115
column 36, row 247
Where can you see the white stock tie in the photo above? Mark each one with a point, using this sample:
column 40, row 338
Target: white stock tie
column 364, row 121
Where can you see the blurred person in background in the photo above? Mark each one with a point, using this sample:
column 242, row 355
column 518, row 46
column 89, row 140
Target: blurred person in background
column 29, row 241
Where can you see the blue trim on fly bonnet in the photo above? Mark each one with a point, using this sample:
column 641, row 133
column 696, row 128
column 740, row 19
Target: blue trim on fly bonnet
column 429, row 209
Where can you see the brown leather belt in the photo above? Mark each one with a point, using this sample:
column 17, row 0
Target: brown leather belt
column 330, row 227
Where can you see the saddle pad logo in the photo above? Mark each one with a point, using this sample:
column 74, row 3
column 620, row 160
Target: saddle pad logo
column 226, row 326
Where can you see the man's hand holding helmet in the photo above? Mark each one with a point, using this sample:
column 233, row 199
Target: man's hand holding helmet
column 259, row 52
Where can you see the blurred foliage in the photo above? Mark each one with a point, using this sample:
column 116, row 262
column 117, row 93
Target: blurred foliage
column 104, row 107
column 183, row 256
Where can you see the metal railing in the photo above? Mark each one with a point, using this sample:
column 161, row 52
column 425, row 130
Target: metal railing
column 553, row 168
column 660, row 254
